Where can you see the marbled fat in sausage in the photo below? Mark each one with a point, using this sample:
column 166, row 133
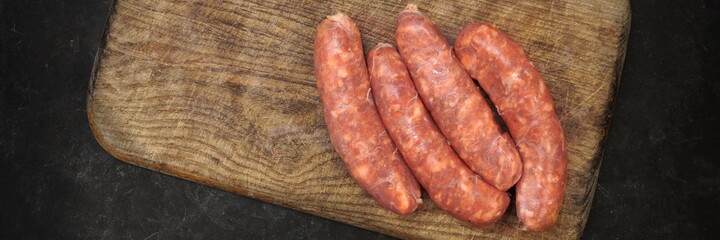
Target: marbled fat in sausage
column 524, row 103
column 355, row 128
column 449, row 182
column 455, row 102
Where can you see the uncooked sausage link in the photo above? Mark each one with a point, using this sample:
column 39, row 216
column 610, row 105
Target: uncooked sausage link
column 524, row 103
column 456, row 104
column 355, row 128
column 450, row 184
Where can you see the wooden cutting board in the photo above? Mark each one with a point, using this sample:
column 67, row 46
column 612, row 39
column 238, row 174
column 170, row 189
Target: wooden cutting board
column 223, row 93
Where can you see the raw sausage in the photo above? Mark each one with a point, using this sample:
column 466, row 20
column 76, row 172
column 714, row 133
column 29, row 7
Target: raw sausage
column 524, row 103
column 355, row 128
column 450, row 184
column 455, row 102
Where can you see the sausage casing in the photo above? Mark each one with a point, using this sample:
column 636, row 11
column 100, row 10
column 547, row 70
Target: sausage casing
column 524, row 103
column 449, row 182
column 455, row 102
column 355, row 128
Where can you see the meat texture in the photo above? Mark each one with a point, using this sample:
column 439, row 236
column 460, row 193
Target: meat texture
column 448, row 181
column 524, row 103
column 455, row 102
column 355, row 128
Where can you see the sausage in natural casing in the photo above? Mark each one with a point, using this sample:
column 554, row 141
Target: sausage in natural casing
column 455, row 102
column 524, row 103
column 449, row 182
column 355, row 128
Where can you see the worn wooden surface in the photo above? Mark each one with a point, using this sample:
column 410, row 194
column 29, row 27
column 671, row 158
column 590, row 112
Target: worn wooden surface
column 223, row 93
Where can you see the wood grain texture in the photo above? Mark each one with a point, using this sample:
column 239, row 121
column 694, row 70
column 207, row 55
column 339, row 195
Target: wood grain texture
column 223, row 93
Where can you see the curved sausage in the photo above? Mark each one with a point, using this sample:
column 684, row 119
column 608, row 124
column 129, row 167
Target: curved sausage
column 450, row 184
column 355, row 128
column 455, row 102
column 524, row 103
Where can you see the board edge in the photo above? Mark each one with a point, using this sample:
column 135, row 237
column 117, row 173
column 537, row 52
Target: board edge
column 626, row 17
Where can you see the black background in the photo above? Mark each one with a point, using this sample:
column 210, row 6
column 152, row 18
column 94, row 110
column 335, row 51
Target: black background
column 659, row 176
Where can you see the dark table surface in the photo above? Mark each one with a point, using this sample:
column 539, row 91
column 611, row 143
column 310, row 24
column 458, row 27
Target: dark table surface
column 659, row 178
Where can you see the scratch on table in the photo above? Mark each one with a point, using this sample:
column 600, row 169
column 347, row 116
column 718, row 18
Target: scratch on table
column 571, row 112
column 146, row 238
